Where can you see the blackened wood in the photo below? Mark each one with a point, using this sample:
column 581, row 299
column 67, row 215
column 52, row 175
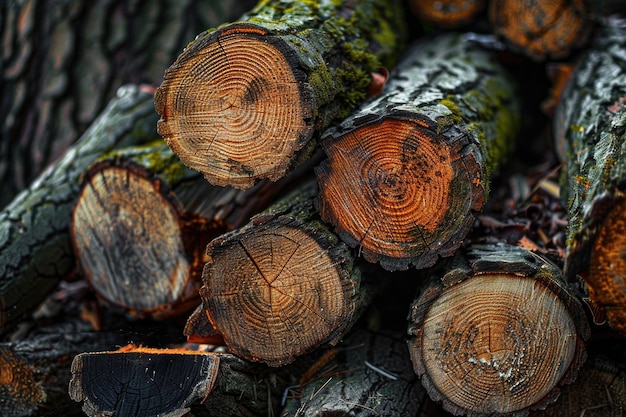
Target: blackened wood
column 283, row 284
column 35, row 248
column 368, row 375
column 248, row 100
column 590, row 133
column 408, row 170
column 542, row 30
column 497, row 331
column 62, row 61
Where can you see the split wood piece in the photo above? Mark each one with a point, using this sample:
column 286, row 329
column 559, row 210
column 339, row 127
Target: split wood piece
column 139, row 232
column 34, row 371
column 248, row 100
column 368, row 374
column 35, row 246
column 541, row 30
column 497, row 335
column 407, row 171
column 590, row 134
column 447, row 13
column 599, row 391
column 62, row 62
column 141, row 381
column 283, row 284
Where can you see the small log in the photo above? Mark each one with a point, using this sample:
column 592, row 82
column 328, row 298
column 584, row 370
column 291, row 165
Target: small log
column 248, row 100
column 449, row 14
column 35, row 247
column 497, row 333
column 283, row 284
column 34, row 371
column 368, row 374
column 590, row 134
column 599, row 391
column 140, row 381
column 408, row 170
column 541, row 30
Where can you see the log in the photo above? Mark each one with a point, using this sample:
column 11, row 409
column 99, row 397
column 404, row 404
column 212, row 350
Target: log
column 35, row 370
column 589, row 130
column 141, row 381
column 599, row 391
column 368, row 374
column 35, row 248
column 448, row 14
column 62, row 62
column 497, row 332
column 541, row 30
column 408, row 170
column 248, row 100
column 283, row 284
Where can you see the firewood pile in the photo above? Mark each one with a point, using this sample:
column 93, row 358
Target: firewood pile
column 325, row 208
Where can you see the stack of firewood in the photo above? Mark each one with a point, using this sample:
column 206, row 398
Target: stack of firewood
column 336, row 209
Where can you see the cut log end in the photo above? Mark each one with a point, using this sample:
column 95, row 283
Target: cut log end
column 275, row 293
column 129, row 238
column 496, row 344
column 394, row 188
column 21, row 394
column 233, row 109
column 607, row 268
column 448, row 13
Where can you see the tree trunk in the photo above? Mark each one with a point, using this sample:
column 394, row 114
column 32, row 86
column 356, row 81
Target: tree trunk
column 136, row 381
column 407, row 171
column 367, row 375
column 283, row 284
column 496, row 332
column 35, row 248
column 35, row 370
column 63, row 60
column 447, row 14
column 541, row 30
column 248, row 101
column 590, row 130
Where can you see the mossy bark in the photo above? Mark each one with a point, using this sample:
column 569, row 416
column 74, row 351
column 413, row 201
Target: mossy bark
column 497, row 331
column 590, row 129
column 283, row 285
column 409, row 168
column 312, row 62
column 35, row 247
column 62, row 62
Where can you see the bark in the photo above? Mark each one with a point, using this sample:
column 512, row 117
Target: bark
column 283, row 284
column 496, row 332
column 542, row 30
column 62, row 61
column 589, row 128
column 35, row 370
column 408, row 170
column 171, row 382
column 35, row 248
column 248, row 100
column 447, row 14
column 599, row 391
column 367, row 375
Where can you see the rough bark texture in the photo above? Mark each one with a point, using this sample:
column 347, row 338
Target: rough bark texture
column 63, row 60
column 283, row 284
column 590, row 128
column 139, row 231
column 140, row 382
column 408, row 170
column 497, row 332
column 448, row 13
column 35, row 248
column 248, row 100
column 541, row 30
column 34, row 371
column 366, row 375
